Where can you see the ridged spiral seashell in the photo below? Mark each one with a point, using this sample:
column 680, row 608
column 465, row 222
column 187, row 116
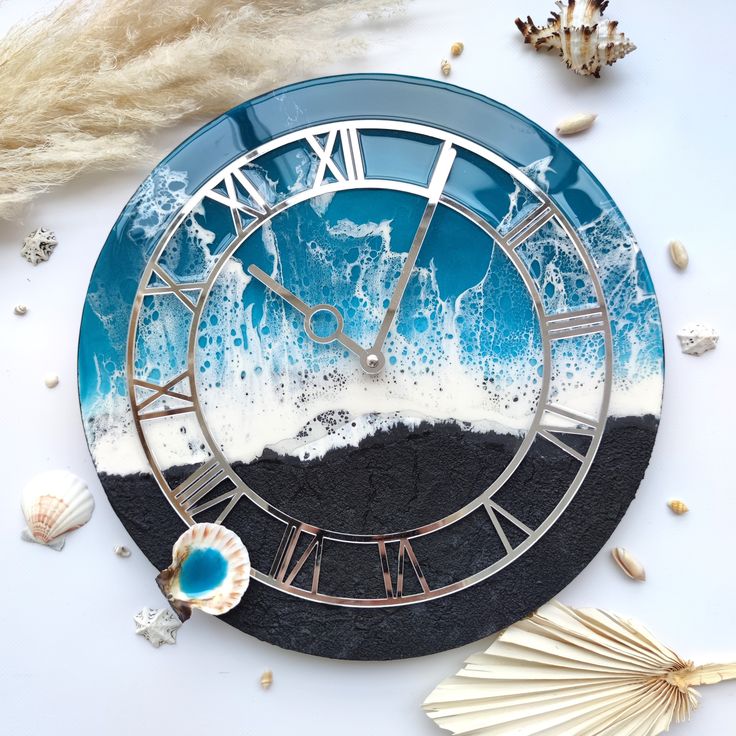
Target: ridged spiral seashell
column 580, row 35
column 55, row 503
column 457, row 48
column 210, row 571
column 678, row 507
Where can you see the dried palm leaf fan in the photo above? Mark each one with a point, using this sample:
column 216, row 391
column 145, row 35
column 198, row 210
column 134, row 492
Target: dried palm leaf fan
column 565, row 672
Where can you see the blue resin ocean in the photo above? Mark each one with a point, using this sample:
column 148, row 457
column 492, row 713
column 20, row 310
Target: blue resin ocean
column 465, row 348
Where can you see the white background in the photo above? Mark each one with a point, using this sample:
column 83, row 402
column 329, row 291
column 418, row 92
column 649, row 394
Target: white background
column 663, row 146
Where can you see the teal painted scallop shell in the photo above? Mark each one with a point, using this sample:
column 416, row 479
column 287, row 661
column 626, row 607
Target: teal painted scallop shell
column 210, row 571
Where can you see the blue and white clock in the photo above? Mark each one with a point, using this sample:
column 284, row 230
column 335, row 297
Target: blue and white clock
column 394, row 335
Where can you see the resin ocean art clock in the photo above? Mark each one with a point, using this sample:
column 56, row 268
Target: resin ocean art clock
column 395, row 336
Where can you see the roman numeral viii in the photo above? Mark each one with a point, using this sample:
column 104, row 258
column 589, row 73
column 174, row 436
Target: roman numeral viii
column 191, row 494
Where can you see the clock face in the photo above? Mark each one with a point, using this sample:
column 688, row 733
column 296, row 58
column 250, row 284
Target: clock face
column 393, row 335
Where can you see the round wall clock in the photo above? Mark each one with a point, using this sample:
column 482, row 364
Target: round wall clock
column 394, row 335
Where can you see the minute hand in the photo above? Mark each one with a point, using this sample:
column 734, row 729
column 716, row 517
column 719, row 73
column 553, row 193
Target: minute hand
column 436, row 185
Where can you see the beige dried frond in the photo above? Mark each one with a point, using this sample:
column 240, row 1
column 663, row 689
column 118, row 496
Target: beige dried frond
column 82, row 87
column 565, row 672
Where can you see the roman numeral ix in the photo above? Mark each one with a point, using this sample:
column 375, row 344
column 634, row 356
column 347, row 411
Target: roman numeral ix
column 159, row 392
column 172, row 287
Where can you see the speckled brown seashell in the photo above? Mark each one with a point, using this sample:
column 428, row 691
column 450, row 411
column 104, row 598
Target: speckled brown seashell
column 580, row 35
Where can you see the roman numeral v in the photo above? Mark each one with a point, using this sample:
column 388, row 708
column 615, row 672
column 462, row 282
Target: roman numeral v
column 406, row 552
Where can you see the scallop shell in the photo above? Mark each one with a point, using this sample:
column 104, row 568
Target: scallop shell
column 210, row 571
column 55, row 503
column 580, row 35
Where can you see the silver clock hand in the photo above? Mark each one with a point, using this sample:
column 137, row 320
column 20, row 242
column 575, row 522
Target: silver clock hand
column 368, row 365
column 436, row 185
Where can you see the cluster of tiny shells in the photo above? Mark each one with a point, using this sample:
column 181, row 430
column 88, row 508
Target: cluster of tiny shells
column 629, row 564
column 456, row 49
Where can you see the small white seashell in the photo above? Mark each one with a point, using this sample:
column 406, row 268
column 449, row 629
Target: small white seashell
column 121, row 551
column 576, row 123
column 51, row 380
column 628, row 564
column 38, row 246
column 445, row 67
column 267, row 679
column 20, row 309
column 207, row 552
column 580, row 35
column 697, row 338
column 55, row 503
column 678, row 253
column 157, row 626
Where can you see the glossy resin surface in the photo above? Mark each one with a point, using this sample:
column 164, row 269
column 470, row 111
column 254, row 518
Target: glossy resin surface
column 465, row 480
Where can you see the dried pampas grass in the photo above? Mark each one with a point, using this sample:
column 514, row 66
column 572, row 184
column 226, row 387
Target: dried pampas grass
column 82, row 87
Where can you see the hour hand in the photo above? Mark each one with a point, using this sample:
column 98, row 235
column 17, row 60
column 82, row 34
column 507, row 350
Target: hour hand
column 369, row 362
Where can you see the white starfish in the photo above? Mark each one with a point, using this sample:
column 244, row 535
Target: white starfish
column 38, row 246
column 157, row 625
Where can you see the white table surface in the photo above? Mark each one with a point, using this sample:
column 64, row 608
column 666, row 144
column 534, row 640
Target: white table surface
column 663, row 147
